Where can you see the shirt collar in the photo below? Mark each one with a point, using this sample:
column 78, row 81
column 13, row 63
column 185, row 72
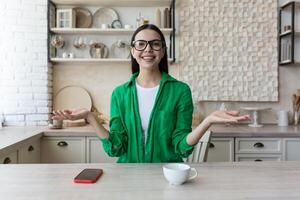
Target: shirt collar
column 165, row 78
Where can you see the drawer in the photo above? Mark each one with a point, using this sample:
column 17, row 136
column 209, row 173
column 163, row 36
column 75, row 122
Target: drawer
column 10, row 158
column 258, row 157
column 258, row 145
column 30, row 152
column 63, row 150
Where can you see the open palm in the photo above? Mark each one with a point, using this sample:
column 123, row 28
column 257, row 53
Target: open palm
column 70, row 114
column 227, row 116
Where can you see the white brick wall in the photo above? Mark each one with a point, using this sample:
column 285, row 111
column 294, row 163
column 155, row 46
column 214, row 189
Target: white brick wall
column 25, row 77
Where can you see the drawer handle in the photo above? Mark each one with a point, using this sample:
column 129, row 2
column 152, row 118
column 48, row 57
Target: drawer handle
column 258, row 145
column 62, row 144
column 211, row 145
column 30, row 148
column 258, row 160
column 7, row 160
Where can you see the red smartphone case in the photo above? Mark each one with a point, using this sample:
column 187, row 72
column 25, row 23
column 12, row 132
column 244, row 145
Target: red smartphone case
column 88, row 176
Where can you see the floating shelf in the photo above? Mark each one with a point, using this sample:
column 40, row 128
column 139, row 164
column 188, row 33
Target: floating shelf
column 115, row 3
column 91, row 60
column 166, row 31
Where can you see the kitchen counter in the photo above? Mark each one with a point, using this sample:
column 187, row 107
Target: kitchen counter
column 226, row 181
column 12, row 135
column 268, row 130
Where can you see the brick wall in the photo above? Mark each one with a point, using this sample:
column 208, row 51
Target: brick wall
column 25, row 76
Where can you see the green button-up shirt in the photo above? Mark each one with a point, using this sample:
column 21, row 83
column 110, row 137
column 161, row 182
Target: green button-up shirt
column 170, row 122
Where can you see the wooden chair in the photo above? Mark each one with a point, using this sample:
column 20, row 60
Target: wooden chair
column 201, row 149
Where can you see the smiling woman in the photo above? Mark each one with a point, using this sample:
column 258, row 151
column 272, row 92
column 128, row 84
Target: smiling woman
column 151, row 114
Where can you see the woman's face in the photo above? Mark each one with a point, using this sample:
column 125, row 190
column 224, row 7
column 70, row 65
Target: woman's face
column 149, row 57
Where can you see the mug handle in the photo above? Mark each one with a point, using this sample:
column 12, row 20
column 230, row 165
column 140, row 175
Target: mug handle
column 195, row 175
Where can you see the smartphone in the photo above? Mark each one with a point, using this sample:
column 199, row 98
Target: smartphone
column 88, row 176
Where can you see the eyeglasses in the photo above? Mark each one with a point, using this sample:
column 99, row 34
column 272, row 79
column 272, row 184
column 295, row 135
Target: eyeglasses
column 141, row 45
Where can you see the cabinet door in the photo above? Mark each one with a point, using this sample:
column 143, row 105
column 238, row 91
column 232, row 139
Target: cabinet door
column 291, row 149
column 30, row 152
column 10, row 158
column 63, row 150
column 221, row 150
column 258, row 157
column 95, row 152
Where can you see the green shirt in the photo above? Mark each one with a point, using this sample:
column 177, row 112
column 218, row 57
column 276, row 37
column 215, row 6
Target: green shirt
column 170, row 122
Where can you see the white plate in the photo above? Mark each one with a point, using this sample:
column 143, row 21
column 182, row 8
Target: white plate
column 104, row 16
column 120, row 49
column 254, row 108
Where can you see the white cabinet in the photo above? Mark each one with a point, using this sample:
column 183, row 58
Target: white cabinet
column 9, row 158
column 291, row 150
column 221, row 150
column 63, row 150
column 258, row 145
column 30, row 152
column 96, row 153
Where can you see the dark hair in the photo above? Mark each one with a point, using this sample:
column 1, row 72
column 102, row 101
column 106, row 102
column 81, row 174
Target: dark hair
column 163, row 64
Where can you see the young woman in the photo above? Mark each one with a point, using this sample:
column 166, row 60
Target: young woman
column 151, row 115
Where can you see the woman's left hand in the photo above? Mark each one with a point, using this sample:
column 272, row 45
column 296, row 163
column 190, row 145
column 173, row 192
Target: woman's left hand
column 226, row 116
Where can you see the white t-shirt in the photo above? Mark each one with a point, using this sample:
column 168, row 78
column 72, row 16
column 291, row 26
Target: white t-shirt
column 146, row 99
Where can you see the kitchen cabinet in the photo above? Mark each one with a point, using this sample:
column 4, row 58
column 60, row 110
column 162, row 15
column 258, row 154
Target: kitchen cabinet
column 96, row 153
column 107, row 35
column 291, row 149
column 258, row 157
column 221, row 150
column 30, row 152
column 9, row 158
column 63, row 150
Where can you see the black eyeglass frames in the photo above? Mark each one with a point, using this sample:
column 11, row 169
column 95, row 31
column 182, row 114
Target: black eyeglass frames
column 141, row 45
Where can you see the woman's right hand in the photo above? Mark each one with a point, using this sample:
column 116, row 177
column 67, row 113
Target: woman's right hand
column 70, row 114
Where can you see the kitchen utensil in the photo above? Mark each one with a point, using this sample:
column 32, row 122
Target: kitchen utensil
column 104, row 16
column 98, row 50
column 120, row 49
column 282, row 118
column 71, row 97
column 116, row 24
column 255, row 111
column 178, row 173
column 83, row 17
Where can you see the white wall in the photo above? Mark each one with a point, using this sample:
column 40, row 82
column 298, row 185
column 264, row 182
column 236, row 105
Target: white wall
column 25, row 79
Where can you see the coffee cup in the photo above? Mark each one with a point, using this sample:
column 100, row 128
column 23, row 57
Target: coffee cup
column 178, row 173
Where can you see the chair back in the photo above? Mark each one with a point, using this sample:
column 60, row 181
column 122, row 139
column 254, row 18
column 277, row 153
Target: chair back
column 201, row 149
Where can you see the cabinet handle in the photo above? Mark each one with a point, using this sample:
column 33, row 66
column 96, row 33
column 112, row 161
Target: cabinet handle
column 62, row 144
column 7, row 160
column 258, row 145
column 211, row 145
column 30, row 148
column 258, row 160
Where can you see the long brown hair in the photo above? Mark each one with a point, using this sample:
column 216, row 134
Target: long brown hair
column 163, row 64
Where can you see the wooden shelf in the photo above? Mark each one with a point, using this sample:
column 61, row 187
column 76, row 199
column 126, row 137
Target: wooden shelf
column 115, row 3
column 110, row 31
column 91, row 60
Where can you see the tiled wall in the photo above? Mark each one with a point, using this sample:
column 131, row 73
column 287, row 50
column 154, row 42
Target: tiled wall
column 233, row 48
column 25, row 78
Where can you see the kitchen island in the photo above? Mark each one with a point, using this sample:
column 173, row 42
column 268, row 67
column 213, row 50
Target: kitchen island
column 229, row 181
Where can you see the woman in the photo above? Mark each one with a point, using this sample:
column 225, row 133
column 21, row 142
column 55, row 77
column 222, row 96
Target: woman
column 151, row 115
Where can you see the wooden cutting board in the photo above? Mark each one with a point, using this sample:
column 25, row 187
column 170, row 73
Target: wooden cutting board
column 71, row 97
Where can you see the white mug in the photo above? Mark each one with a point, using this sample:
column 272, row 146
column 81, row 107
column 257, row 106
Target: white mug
column 104, row 26
column 128, row 26
column 178, row 173
column 283, row 118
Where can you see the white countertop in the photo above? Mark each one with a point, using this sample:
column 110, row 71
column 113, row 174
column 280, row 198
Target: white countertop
column 12, row 135
column 226, row 181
